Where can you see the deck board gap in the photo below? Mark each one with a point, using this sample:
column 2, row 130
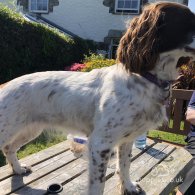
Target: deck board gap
column 50, row 157
column 33, row 180
column 75, row 176
column 143, row 151
column 43, row 160
column 157, row 164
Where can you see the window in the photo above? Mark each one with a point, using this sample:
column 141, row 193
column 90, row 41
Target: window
column 113, row 48
column 127, row 6
column 38, row 6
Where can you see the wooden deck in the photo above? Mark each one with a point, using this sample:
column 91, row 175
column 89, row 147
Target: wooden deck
column 157, row 168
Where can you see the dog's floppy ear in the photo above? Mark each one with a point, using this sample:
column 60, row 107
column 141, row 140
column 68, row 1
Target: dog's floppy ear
column 138, row 48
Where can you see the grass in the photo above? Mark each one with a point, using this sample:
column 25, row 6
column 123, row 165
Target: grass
column 42, row 142
column 170, row 137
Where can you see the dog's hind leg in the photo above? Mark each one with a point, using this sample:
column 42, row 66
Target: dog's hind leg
column 10, row 150
column 124, row 160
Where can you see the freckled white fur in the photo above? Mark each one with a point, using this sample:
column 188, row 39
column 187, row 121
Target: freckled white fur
column 109, row 105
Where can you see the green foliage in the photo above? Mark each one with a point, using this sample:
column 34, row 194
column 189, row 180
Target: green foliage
column 42, row 142
column 96, row 61
column 93, row 57
column 171, row 137
column 166, row 136
column 27, row 47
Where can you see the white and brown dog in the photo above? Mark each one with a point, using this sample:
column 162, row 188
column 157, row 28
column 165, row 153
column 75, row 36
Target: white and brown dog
column 112, row 105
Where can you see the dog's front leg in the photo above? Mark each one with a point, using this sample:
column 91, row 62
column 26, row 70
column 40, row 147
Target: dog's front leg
column 124, row 160
column 99, row 153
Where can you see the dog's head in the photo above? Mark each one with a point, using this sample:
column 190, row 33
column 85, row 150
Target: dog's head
column 157, row 39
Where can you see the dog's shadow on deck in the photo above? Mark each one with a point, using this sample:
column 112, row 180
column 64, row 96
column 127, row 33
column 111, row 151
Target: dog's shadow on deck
column 18, row 186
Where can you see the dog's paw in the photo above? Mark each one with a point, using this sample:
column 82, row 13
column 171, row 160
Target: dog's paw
column 23, row 170
column 135, row 190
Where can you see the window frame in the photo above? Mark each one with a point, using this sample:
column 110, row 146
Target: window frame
column 37, row 10
column 114, row 42
column 127, row 10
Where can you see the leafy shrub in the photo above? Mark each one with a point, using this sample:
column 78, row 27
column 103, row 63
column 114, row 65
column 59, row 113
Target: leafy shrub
column 93, row 61
column 27, row 47
column 96, row 61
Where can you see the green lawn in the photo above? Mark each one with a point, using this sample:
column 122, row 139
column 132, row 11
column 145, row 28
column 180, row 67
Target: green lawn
column 171, row 137
column 177, row 139
column 42, row 142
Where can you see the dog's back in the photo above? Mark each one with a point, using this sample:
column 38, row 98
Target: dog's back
column 47, row 98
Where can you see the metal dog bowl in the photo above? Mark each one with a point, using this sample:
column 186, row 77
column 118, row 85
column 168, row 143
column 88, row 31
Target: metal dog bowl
column 54, row 188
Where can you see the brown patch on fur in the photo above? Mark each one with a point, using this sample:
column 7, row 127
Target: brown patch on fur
column 136, row 46
column 149, row 35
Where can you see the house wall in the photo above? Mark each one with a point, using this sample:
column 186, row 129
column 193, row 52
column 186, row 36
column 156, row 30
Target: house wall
column 89, row 19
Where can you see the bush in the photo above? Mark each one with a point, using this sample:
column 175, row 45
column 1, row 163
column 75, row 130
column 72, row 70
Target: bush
column 96, row 61
column 93, row 61
column 27, row 47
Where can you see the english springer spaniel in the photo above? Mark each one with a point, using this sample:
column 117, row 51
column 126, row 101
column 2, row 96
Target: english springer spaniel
column 111, row 105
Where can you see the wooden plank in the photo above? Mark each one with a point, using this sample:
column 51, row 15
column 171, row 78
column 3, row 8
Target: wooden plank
column 46, row 167
column 41, row 160
column 165, row 176
column 182, row 94
column 169, row 109
column 79, row 184
column 148, row 161
column 141, row 166
column 63, row 175
column 177, row 114
column 36, row 158
column 186, row 126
